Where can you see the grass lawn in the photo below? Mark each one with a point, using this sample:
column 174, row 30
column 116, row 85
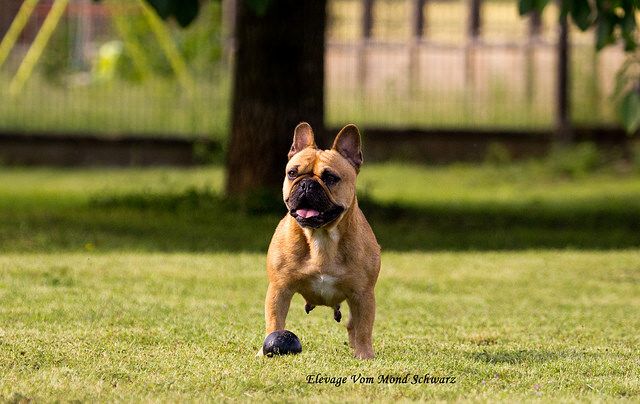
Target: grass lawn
column 131, row 326
column 521, row 281
column 157, row 107
column 527, row 205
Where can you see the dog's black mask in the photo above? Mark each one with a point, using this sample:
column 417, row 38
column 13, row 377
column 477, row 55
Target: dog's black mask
column 310, row 205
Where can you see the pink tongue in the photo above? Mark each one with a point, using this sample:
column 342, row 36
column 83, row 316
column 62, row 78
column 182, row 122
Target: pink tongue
column 306, row 213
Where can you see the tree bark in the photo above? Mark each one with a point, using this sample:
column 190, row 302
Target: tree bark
column 8, row 10
column 278, row 82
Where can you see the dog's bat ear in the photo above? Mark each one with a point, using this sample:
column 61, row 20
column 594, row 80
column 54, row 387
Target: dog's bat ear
column 302, row 138
column 347, row 143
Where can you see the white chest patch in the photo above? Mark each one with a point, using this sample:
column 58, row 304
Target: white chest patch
column 325, row 286
column 323, row 244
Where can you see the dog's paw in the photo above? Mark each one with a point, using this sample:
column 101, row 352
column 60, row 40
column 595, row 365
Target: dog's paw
column 364, row 354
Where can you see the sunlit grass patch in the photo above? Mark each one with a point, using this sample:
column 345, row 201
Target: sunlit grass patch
column 137, row 326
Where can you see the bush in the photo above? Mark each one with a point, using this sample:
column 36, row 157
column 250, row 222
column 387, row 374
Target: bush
column 635, row 155
column 497, row 154
column 575, row 161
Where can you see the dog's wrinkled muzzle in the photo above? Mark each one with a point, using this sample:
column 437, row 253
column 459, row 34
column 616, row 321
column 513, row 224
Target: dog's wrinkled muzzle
column 310, row 203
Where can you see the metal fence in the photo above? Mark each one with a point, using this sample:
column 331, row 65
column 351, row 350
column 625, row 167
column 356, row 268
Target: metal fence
column 108, row 68
column 461, row 63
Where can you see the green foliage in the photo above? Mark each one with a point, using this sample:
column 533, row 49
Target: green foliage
column 56, row 61
column 527, row 6
column 581, row 13
column 258, row 6
column 613, row 20
column 183, row 11
column 497, row 154
column 604, row 33
column 186, row 11
column 627, row 93
column 635, row 156
column 630, row 111
column 199, row 44
column 578, row 161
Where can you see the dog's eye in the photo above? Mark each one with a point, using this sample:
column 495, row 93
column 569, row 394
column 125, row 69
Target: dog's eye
column 292, row 174
column 330, row 179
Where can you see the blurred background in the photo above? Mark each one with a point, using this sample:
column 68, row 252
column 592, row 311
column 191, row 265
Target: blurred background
column 466, row 101
column 389, row 64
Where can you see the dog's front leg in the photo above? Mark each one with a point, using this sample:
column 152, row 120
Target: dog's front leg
column 276, row 307
column 360, row 326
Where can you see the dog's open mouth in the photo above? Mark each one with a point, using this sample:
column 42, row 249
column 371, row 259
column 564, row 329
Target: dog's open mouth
column 310, row 205
column 315, row 218
column 306, row 213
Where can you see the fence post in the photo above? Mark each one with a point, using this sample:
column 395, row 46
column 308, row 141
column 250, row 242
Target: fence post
column 595, row 91
column 417, row 28
column 473, row 33
column 367, row 28
column 475, row 19
column 535, row 24
column 417, row 32
column 474, row 22
column 535, row 28
column 563, row 107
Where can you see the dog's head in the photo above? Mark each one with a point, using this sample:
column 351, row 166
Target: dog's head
column 319, row 185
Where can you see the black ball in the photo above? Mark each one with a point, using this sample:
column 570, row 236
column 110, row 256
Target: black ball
column 281, row 342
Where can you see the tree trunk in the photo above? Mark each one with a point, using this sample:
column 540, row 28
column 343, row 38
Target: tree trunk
column 278, row 82
column 8, row 10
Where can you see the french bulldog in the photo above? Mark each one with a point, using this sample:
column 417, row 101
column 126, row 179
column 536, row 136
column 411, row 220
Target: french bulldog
column 324, row 248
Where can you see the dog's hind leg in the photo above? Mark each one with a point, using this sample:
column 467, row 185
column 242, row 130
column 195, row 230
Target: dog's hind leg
column 336, row 313
column 360, row 327
column 308, row 307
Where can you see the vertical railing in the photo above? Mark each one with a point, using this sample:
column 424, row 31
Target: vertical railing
column 533, row 39
column 417, row 34
column 417, row 45
column 474, row 23
column 366, row 32
column 563, row 108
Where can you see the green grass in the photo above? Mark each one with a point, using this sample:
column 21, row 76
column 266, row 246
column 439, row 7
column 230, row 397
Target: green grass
column 156, row 107
column 147, row 285
column 410, row 207
column 509, row 326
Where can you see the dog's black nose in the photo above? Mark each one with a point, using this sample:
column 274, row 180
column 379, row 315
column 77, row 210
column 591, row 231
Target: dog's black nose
column 308, row 185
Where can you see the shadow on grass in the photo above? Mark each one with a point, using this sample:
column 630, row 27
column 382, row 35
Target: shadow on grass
column 527, row 356
column 202, row 221
column 513, row 357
